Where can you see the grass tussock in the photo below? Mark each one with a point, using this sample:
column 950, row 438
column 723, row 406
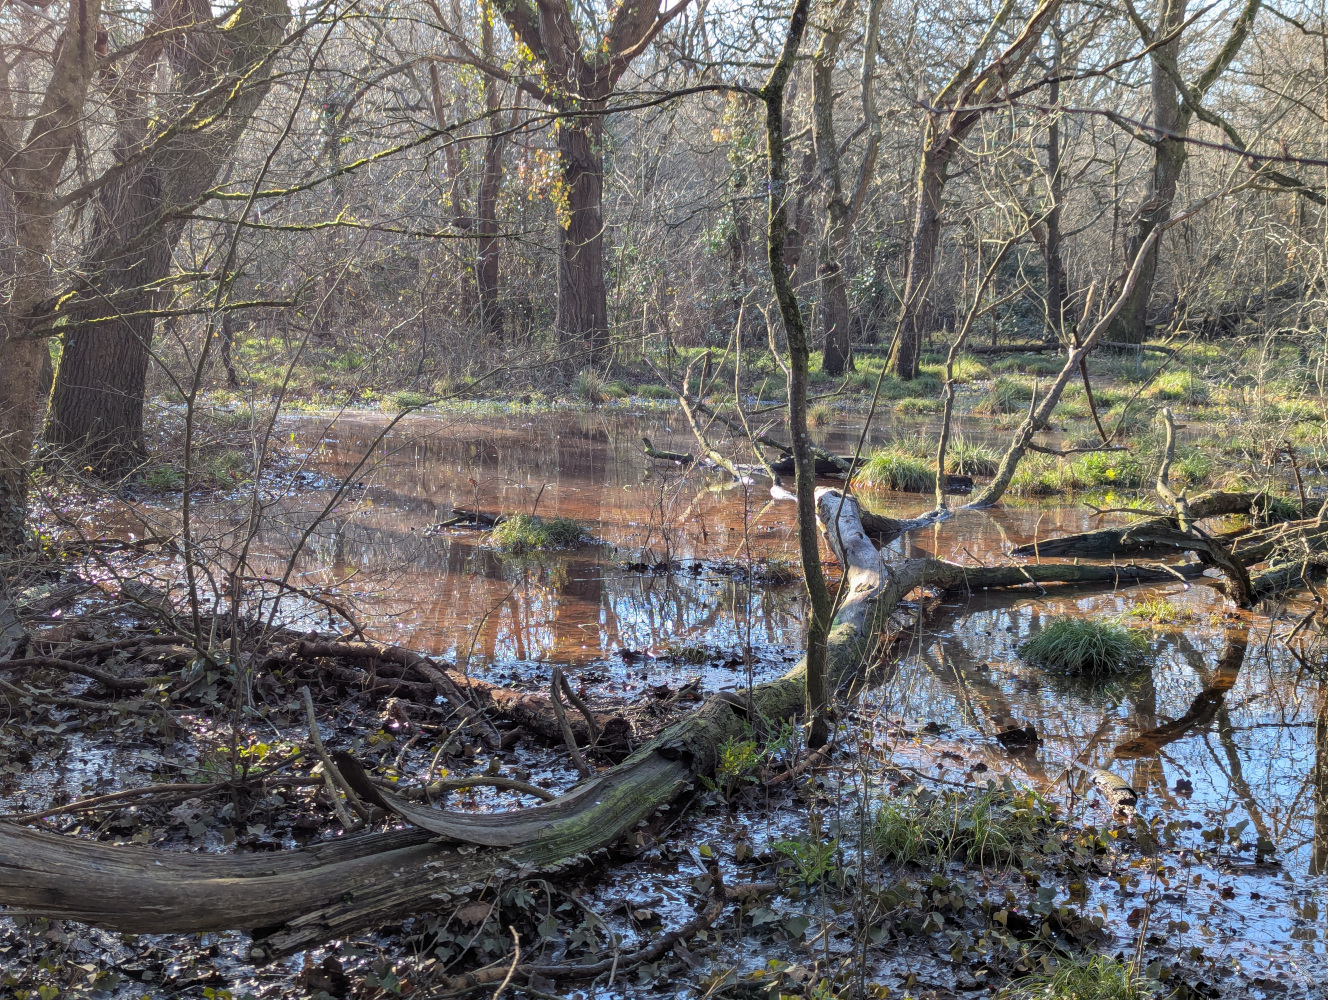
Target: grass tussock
column 1158, row 611
column 969, row 459
column 1006, row 395
column 532, row 533
column 1096, row 978
column 1180, row 387
column 594, row 389
column 896, row 469
column 992, row 826
column 1085, row 647
column 820, row 415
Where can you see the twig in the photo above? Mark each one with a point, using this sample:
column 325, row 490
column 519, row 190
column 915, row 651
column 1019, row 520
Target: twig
column 482, row 977
column 555, row 696
column 330, row 769
column 592, row 727
column 482, row 780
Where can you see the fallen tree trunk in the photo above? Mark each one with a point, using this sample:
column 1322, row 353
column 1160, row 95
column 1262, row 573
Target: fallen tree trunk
column 1128, row 539
column 294, row 900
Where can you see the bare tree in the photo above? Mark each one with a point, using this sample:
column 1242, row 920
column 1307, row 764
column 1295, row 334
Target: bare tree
column 32, row 167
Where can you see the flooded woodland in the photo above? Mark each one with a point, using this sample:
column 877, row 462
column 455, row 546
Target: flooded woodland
column 760, row 500
column 956, row 833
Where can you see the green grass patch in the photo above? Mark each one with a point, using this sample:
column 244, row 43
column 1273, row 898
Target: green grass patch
column 1029, row 364
column 992, row 826
column 902, row 465
column 654, row 392
column 1095, row 978
column 820, row 415
column 919, row 404
column 163, row 479
column 1194, row 469
column 590, row 386
column 1116, row 469
column 1085, row 646
column 1180, row 387
column 408, row 399
column 969, row 459
column 532, row 533
column 1006, row 395
column 1158, row 611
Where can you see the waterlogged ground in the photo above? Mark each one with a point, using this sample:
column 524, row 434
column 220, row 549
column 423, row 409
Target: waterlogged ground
column 1222, row 875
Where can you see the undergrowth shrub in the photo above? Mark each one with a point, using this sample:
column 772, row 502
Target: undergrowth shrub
column 1085, row 646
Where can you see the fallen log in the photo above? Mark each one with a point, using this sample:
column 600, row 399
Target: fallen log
column 1130, row 539
column 294, row 900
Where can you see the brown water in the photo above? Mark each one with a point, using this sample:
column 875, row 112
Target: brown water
column 1229, row 754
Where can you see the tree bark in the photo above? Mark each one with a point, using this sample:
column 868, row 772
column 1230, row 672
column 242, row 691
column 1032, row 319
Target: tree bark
column 804, row 459
column 1174, row 104
column 96, row 410
column 841, row 210
column 1169, row 155
column 916, row 314
column 583, row 309
column 949, row 123
column 1051, row 246
column 31, row 168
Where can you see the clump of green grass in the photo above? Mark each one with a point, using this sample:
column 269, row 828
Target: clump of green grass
column 1193, row 469
column 1117, row 469
column 1085, row 646
column 532, row 533
column 163, row 479
column 590, row 386
column 820, row 415
column 918, row 404
column 992, row 826
column 894, row 388
column 895, row 469
column 654, row 392
column 1158, row 611
column 969, row 459
column 1180, row 386
column 1038, row 476
column 1097, row 978
column 1006, row 395
column 408, row 399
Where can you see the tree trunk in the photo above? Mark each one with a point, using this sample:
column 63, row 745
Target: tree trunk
column 1169, row 155
column 31, row 168
column 804, row 461
column 583, row 311
column 1051, row 248
column 97, row 402
column 916, row 314
column 486, row 266
column 836, row 320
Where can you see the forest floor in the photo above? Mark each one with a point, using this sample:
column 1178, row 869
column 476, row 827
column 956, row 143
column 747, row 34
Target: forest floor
column 922, row 856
